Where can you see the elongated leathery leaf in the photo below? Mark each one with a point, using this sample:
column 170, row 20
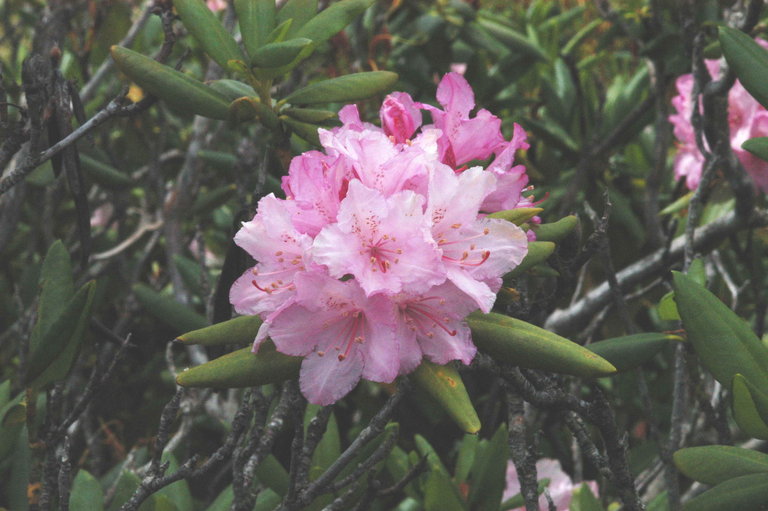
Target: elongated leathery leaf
column 182, row 92
column 444, row 384
column 300, row 11
column 748, row 60
column 240, row 330
column 349, row 87
column 86, row 492
column 68, row 340
column 232, row 89
column 745, row 411
column 204, row 26
column 488, row 475
column 724, row 342
column 280, row 54
column 631, row 351
column 242, row 368
column 516, row 342
column 169, row 311
column 757, row 146
column 713, row 464
column 332, row 20
column 555, row 231
column 57, row 288
column 745, row 492
column 538, row 252
column 55, row 341
column 305, row 130
column 517, row 216
column 257, row 20
column 309, row 114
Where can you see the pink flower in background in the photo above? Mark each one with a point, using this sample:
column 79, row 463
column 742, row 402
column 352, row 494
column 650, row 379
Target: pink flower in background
column 746, row 119
column 560, row 486
column 382, row 246
column 216, row 5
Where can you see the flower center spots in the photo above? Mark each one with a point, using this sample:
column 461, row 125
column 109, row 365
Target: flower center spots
column 464, row 255
column 274, row 279
column 420, row 316
column 351, row 333
column 381, row 253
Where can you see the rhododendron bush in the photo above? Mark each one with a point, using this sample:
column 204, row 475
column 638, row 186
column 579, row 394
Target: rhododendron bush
column 433, row 255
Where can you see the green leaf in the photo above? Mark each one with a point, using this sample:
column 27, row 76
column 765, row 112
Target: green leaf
column 328, row 450
column 713, row 464
column 745, row 492
column 668, row 307
column 86, row 492
column 345, row 88
column 204, row 26
column 678, row 205
column 257, row 20
column 180, row 91
column 538, row 252
column 249, row 108
column 518, row 500
column 304, row 130
column 332, row 20
column 240, row 330
column 273, row 475
column 516, row 342
column 514, row 40
column 440, row 493
column 631, row 351
column 309, row 115
column 126, row 485
column 267, row 501
column 224, row 501
column 517, row 216
column 757, row 146
column 280, row 32
column 12, row 420
column 207, row 201
column 300, row 11
column 174, row 314
column 242, row 368
column 191, row 273
column 103, row 174
column 465, row 458
column 444, row 385
column 232, row 89
column 488, row 475
column 584, row 500
column 555, row 231
column 57, row 289
column 745, row 411
column 748, row 60
column 178, row 493
column 724, row 342
column 59, row 345
column 16, row 486
column 280, row 54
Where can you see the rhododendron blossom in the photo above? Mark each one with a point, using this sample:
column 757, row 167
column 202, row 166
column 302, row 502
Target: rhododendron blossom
column 560, row 486
column 746, row 119
column 382, row 246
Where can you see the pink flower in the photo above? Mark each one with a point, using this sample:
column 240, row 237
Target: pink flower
column 474, row 250
column 382, row 248
column 342, row 334
column 432, row 324
column 560, row 486
column 216, row 5
column 464, row 139
column 383, row 242
column 746, row 119
column 281, row 252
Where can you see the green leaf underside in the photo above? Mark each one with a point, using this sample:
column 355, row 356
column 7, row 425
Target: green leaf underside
column 444, row 385
column 744, row 492
column 516, row 342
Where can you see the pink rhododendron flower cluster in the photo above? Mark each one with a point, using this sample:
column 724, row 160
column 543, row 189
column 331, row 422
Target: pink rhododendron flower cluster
column 746, row 118
column 560, row 486
column 382, row 248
